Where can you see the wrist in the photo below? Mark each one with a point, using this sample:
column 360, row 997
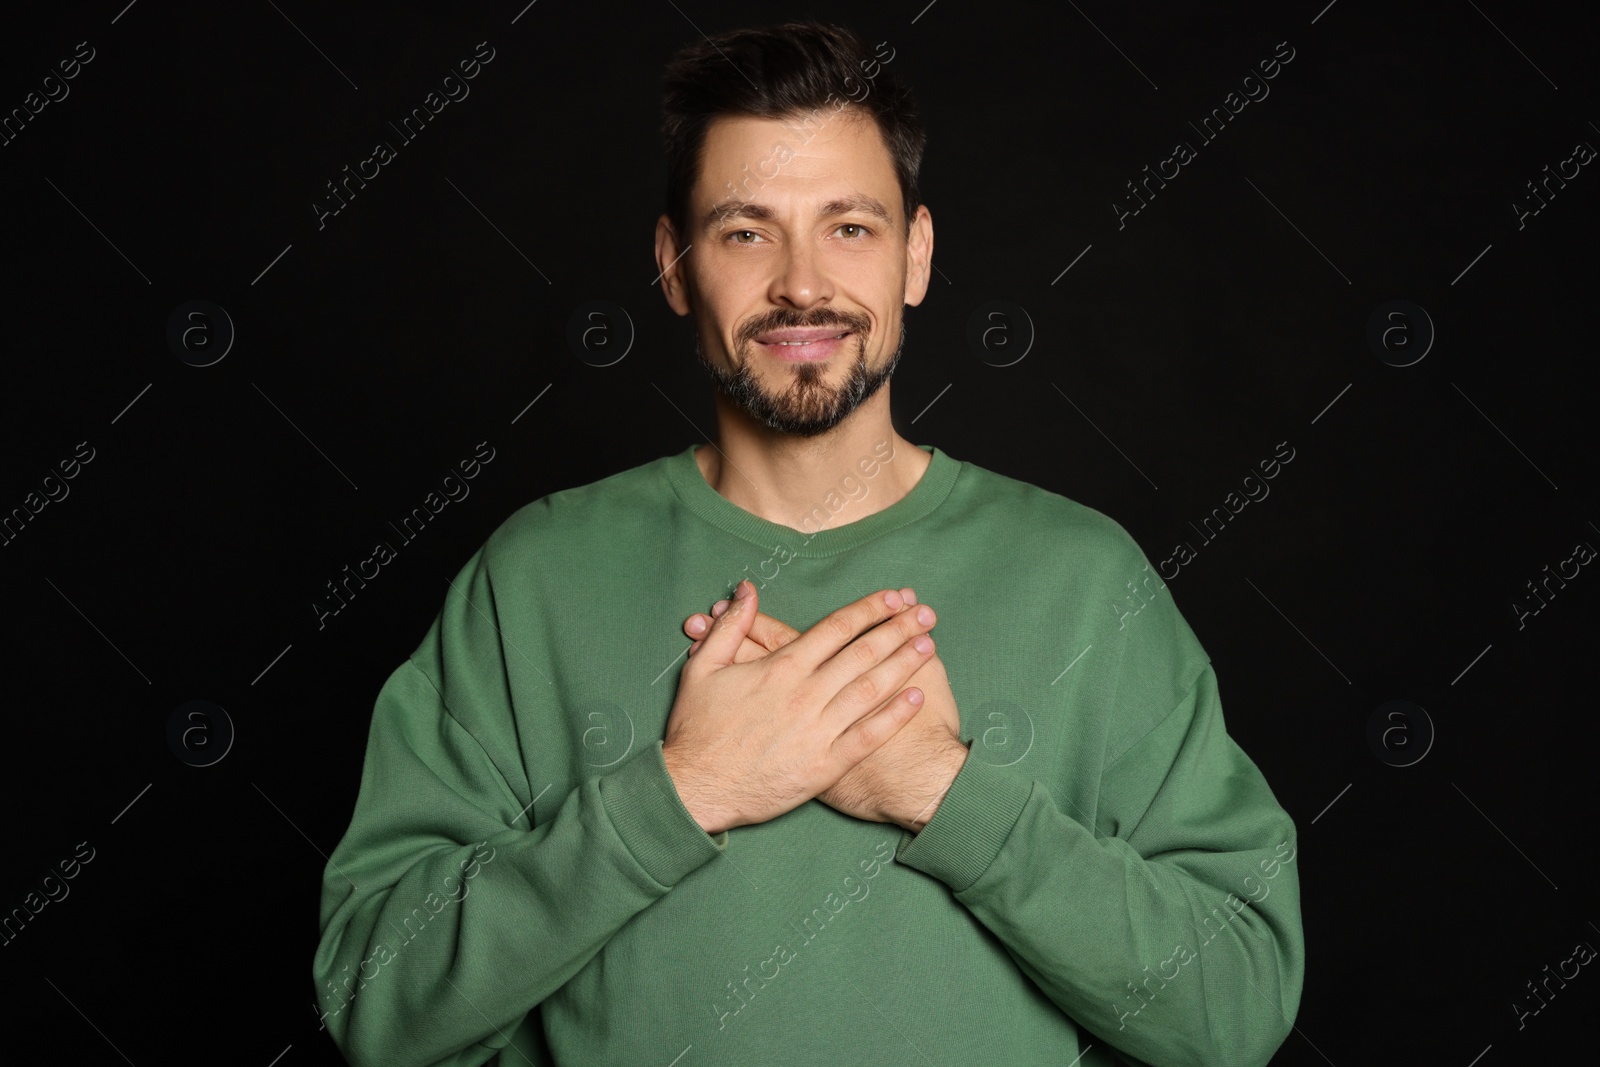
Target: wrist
column 701, row 808
column 945, row 768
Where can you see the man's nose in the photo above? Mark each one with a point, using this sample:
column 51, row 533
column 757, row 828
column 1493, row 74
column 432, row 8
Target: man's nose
column 801, row 279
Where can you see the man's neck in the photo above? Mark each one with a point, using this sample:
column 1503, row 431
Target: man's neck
column 858, row 468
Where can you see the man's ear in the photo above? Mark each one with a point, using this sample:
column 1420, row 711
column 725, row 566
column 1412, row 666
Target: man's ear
column 669, row 260
column 919, row 255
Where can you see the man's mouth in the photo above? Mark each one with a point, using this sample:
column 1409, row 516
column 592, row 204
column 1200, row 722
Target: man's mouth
column 800, row 338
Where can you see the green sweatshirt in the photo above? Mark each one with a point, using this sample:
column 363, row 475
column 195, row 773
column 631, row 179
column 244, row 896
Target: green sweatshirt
column 1109, row 878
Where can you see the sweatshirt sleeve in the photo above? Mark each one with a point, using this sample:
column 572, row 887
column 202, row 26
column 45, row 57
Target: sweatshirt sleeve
column 1175, row 936
column 450, row 909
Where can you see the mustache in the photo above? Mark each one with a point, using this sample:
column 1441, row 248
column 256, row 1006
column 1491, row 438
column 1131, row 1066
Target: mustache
column 790, row 318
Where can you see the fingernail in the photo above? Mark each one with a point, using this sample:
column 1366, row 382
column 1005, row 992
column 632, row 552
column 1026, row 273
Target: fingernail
column 697, row 624
column 718, row 608
column 892, row 598
column 925, row 615
column 923, row 644
column 742, row 590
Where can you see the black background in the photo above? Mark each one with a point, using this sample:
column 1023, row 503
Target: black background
column 1177, row 351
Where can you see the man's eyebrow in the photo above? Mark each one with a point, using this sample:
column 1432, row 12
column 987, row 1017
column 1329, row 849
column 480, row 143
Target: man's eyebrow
column 727, row 210
column 858, row 202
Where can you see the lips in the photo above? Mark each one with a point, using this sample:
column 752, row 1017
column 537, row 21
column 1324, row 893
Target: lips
column 800, row 338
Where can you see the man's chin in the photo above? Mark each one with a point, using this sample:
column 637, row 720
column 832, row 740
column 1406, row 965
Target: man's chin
column 802, row 398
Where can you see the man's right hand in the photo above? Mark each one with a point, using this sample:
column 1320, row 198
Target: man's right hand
column 746, row 742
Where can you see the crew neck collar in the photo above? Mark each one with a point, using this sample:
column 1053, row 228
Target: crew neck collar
column 698, row 495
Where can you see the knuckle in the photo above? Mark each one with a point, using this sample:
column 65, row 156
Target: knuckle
column 865, row 690
column 839, row 627
column 871, row 733
column 783, row 668
column 862, row 655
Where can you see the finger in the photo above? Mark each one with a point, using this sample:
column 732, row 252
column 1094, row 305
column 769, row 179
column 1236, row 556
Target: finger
column 860, row 696
column 841, row 627
column 767, row 634
column 874, row 648
column 748, row 650
column 730, row 629
column 718, row 608
column 871, row 731
column 771, row 634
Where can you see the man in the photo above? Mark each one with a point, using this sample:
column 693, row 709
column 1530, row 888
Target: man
column 817, row 838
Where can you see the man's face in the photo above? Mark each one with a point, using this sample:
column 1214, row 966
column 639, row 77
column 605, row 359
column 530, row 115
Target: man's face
column 795, row 237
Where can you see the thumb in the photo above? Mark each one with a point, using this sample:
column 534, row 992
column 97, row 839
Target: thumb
column 728, row 632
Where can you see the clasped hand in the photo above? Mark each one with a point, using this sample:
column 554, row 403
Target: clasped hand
column 912, row 747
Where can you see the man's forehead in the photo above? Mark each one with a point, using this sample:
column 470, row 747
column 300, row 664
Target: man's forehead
column 814, row 161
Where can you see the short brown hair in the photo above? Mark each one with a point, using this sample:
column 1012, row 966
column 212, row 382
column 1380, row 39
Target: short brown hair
column 776, row 72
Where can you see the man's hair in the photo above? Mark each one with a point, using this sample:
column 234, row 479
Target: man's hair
column 794, row 70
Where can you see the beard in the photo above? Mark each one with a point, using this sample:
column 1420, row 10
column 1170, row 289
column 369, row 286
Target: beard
column 807, row 405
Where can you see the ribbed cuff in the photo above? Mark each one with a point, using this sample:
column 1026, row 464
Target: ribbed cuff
column 971, row 826
column 649, row 816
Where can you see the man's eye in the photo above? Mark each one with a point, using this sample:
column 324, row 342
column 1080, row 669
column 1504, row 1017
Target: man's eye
column 861, row 231
column 736, row 234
